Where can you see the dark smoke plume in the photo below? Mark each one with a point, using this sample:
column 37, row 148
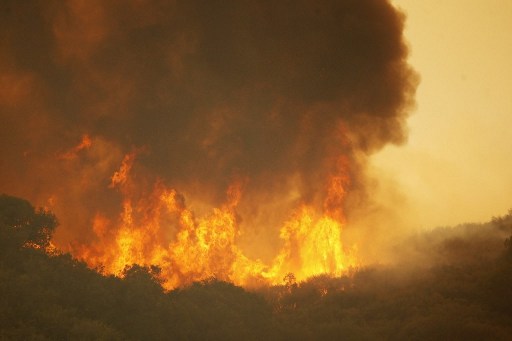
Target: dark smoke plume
column 280, row 94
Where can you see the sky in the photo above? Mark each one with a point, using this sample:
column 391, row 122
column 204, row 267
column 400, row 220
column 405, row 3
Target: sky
column 456, row 166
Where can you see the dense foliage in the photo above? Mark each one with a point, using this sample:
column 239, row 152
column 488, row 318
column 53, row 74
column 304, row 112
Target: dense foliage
column 55, row 297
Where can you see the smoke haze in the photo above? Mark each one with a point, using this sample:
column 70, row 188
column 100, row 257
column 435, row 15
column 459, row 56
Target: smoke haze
column 285, row 99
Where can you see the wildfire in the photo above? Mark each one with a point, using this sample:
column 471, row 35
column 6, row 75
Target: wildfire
column 73, row 152
column 161, row 230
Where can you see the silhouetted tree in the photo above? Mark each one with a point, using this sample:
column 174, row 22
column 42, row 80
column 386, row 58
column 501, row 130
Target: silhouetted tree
column 21, row 225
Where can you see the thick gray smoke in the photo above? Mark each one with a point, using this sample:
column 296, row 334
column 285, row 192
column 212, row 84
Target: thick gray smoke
column 275, row 93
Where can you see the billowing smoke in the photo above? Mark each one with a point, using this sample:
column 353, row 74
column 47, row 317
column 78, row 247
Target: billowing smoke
column 278, row 96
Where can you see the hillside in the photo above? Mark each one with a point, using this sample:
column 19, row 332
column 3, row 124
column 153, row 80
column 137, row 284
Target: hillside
column 463, row 293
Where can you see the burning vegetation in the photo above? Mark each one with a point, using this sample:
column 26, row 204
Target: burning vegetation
column 205, row 247
column 463, row 294
column 207, row 139
column 207, row 162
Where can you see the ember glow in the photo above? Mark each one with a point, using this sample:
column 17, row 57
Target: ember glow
column 226, row 140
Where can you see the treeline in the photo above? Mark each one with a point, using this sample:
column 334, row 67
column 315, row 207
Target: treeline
column 55, row 297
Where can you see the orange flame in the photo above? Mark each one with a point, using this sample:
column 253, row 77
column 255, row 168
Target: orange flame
column 161, row 230
column 71, row 154
column 120, row 177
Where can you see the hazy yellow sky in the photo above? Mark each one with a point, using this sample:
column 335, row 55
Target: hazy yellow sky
column 457, row 164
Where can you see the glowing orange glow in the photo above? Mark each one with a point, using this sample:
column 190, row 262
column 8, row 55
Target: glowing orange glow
column 161, row 230
column 73, row 152
column 215, row 146
column 121, row 175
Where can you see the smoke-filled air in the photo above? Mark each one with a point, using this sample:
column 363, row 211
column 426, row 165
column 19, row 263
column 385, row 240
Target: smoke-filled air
column 243, row 170
column 222, row 139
